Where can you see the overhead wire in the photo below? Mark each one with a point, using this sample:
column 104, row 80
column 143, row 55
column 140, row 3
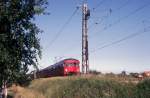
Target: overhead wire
column 130, row 36
column 94, row 8
column 62, row 28
column 124, row 4
column 122, row 39
column 121, row 19
column 78, row 2
column 134, row 26
column 98, row 5
column 109, row 14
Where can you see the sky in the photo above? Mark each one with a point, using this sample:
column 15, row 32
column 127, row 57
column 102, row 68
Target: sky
column 118, row 34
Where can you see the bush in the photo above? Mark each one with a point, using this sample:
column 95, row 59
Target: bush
column 94, row 72
column 89, row 87
column 143, row 89
column 92, row 88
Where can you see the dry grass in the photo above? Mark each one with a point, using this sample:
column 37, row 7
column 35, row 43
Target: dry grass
column 21, row 92
column 81, row 86
column 62, row 87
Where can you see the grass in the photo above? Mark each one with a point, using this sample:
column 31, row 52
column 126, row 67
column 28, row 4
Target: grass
column 21, row 92
column 84, row 87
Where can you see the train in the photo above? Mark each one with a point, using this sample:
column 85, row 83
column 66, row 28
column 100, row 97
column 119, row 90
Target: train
column 64, row 67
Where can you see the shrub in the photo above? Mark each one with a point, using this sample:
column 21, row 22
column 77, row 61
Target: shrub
column 92, row 88
column 143, row 89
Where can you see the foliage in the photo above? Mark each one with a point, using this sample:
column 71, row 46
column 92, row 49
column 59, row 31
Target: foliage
column 95, row 72
column 143, row 89
column 82, row 87
column 85, row 88
column 19, row 43
column 89, row 87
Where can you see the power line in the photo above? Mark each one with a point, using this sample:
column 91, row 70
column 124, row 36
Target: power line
column 62, row 28
column 123, row 5
column 110, row 12
column 99, row 4
column 78, row 2
column 119, row 20
column 120, row 40
column 123, row 39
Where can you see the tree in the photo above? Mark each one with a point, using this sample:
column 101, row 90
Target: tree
column 19, row 43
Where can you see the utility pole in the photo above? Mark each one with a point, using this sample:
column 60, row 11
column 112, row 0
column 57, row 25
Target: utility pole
column 85, row 55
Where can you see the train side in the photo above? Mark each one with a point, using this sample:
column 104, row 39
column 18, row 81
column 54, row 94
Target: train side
column 63, row 68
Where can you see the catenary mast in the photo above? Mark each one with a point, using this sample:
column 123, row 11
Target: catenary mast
column 85, row 54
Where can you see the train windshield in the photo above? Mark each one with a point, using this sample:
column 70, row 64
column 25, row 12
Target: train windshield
column 71, row 64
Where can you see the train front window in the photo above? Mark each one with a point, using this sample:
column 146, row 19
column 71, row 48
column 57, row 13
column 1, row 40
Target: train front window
column 76, row 64
column 72, row 64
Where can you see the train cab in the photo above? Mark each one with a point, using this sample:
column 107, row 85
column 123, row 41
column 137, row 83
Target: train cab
column 71, row 67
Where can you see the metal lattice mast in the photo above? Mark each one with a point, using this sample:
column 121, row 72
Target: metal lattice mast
column 85, row 55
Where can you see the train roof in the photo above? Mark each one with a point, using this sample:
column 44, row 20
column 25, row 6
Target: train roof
column 62, row 61
column 70, row 59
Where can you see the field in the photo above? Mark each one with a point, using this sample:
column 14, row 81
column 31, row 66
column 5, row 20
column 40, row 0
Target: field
column 84, row 87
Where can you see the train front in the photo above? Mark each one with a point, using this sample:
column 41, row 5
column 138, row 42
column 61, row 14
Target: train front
column 71, row 67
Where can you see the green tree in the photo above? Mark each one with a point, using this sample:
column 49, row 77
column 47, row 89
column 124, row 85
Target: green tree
column 19, row 43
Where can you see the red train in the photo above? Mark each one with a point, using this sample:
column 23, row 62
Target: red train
column 63, row 68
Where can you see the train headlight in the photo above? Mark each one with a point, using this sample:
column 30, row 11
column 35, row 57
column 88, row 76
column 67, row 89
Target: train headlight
column 66, row 70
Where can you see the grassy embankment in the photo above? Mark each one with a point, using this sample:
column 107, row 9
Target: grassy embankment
column 84, row 87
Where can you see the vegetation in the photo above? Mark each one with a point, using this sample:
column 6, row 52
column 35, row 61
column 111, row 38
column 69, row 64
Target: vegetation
column 95, row 72
column 89, row 88
column 143, row 89
column 19, row 44
column 86, row 87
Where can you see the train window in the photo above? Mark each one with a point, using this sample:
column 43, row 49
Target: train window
column 76, row 64
column 72, row 64
column 68, row 64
